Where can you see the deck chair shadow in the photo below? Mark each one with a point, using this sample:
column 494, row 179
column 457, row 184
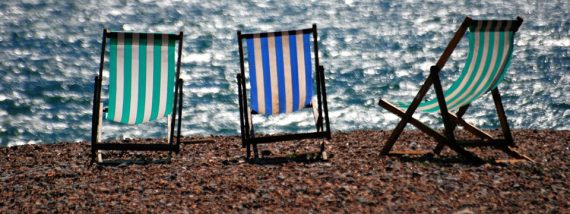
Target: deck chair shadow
column 488, row 59
column 144, row 85
column 281, row 81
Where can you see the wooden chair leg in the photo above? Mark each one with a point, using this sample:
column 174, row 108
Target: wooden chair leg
column 415, row 122
column 180, row 106
column 460, row 113
column 248, row 151
column 250, row 135
column 168, row 133
column 462, row 110
column 318, row 119
column 502, row 117
column 471, row 128
column 407, row 116
column 448, row 124
column 255, row 152
column 241, row 111
column 99, row 132
column 94, row 120
column 515, row 154
column 394, row 136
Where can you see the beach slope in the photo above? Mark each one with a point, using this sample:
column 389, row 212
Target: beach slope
column 213, row 177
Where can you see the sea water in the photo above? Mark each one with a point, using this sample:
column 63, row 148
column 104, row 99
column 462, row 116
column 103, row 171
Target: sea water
column 50, row 52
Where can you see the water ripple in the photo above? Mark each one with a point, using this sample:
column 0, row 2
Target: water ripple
column 370, row 49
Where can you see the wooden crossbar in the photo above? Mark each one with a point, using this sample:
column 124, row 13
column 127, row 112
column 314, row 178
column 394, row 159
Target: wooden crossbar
column 470, row 128
column 390, row 107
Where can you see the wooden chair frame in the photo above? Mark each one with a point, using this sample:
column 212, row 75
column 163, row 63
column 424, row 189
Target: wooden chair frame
column 451, row 120
column 175, row 119
column 249, row 139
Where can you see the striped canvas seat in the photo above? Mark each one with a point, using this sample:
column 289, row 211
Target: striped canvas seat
column 280, row 67
column 144, row 85
column 280, row 72
column 490, row 53
column 141, row 80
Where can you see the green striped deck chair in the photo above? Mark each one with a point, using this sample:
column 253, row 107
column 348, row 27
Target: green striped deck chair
column 144, row 86
column 490, row 53
column 281, row 82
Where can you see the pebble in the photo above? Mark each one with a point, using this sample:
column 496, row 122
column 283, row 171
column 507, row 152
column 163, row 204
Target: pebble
column 215, row 177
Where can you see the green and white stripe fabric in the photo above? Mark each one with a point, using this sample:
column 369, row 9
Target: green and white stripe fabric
column 490, row 53
column 141, row 80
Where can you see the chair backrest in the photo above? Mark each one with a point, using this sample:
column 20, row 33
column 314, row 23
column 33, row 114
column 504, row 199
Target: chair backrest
column 280, row 70
column 142, row 69
column 489, row 57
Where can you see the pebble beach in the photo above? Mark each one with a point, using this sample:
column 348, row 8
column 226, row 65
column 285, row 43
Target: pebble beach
column 210, row 174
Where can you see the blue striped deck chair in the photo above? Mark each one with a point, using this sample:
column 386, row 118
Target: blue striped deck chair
column 491, row 44
column 144, row 86
column 282, row 78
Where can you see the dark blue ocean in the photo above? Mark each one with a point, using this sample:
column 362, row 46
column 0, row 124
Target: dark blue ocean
column 50, row 49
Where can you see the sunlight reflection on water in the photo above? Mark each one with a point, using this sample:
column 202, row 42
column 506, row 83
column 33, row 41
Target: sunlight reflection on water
column 369, row 49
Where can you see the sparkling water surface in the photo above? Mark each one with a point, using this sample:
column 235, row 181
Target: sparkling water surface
column 50, row 52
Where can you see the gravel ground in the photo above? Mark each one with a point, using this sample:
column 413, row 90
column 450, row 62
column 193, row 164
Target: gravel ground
column 214, row 177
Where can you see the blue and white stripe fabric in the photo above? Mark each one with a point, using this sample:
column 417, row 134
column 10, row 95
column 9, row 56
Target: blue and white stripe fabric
column 280, row 71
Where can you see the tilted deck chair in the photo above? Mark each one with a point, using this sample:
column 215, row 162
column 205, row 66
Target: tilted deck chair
column 281, row 81
column 144, row 85
column 490, row 53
